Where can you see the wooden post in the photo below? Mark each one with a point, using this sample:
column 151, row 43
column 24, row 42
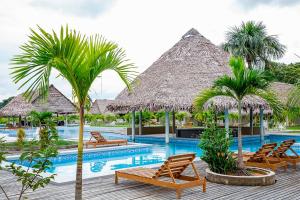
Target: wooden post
column 140, row 123
column 133, row 125
column 167, row 127
column 226, row 121
column 251, row 120
column 173, row 123
column 20, row 121
column 66, row 120
column 261, row 121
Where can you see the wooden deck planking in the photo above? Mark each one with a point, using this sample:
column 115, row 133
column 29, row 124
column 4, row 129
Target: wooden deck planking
column 287, row 187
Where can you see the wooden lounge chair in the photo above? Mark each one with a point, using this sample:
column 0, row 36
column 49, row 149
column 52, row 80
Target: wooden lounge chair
column 169, row 175
column 97, row 139
column 264, row 158
column 281, row 151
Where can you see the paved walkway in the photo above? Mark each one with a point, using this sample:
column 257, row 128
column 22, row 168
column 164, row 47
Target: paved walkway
column 287, row 187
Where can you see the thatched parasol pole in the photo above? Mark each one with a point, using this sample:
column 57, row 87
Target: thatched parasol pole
column 140, row 123
column 261, row 121
column 173, row 122
column 133, row 125
column 226, row 122
column 251, row 120
column 20, row 120
column 167, row 127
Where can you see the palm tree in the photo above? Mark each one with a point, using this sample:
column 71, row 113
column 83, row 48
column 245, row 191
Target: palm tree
column 251, row 41
column 244, row 82
column 79, row 59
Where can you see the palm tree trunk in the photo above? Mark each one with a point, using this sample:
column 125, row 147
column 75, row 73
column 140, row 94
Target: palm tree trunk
column 240, row 145
column 78, row 188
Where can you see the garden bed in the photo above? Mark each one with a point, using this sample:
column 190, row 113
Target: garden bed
column 255, row 177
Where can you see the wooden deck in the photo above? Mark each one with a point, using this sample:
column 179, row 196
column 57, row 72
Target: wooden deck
column 287, row 187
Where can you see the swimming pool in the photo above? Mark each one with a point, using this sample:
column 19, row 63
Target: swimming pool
column 103, row 162
column 71, row 132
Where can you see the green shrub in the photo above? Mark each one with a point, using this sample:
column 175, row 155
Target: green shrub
column 216, row 152
column 20, row 137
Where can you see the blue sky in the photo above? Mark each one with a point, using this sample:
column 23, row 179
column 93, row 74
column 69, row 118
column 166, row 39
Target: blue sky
column 144, row 28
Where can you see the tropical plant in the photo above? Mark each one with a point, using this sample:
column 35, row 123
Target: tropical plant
column 20, row 137
column 243, row 82
column 251, row 41
column 79, row 59
column 37, row 163
column 47, row 126
column 180, row 116
column 215, row 147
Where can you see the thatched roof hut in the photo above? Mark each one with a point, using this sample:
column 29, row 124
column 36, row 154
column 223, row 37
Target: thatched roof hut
column 56, row 103
column 173, row 81
column 99, row 106
column 282, row 90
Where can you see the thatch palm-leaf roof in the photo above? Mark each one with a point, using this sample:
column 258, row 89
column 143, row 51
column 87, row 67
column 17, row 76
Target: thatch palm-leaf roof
column 56, row 103
column 99, row 106
column 282, row 90
column 173, row 81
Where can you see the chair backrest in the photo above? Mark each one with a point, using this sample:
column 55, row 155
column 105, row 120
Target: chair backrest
column 284, row 147
column 97, row 135
column 175, row 165
column 263, row 152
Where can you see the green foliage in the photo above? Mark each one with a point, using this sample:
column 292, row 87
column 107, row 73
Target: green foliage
column 4, row 102
column 20, row 137
column 110, row 118
column 47, row 126
column 251, row 41
column 287, row 73
column 216, row 152
column 2, row 150
column 180, row 116
column 31, row 177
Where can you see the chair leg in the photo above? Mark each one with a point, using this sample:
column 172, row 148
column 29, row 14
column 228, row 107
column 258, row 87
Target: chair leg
column 204, row 185
column 116, row 178
column 178, row 193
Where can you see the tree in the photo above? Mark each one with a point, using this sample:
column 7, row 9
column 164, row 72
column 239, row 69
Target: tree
column 79, row 59
column 5, row 102
column 243, row 82
column 251, row 41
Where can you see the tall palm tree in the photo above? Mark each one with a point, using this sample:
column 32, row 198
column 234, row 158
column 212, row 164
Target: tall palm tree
column 79, row 59
column 244, row 82
column 251, row 41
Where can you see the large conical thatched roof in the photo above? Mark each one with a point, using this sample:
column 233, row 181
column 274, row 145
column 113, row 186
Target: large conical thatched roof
column 282, row 90
column 173, row 81
column 56, row 103
column 99, row 106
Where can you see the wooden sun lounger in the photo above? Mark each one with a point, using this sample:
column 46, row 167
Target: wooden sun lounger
column 263, row 158
column 97, row 139
column 169, row 175
column 283, row 148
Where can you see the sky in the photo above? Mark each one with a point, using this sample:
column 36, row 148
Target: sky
column 144, row 28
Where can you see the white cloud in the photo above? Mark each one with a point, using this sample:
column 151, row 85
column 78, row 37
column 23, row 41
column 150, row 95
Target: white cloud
column 144, row 28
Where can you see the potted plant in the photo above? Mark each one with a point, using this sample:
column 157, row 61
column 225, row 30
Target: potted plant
column 222, row 164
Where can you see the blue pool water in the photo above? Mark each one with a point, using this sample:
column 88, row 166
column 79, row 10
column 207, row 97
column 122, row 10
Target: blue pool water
column 71, row 132
column 106, row 162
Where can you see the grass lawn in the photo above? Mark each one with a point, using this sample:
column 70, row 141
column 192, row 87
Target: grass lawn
column 27, row 144
column 297, row 127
